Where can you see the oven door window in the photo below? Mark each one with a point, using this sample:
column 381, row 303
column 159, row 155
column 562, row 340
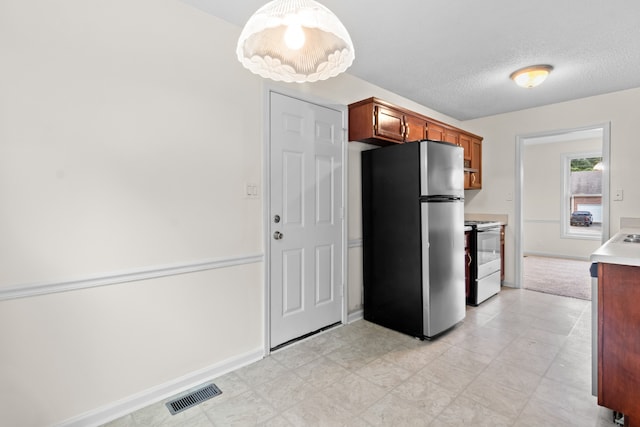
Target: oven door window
column 488, row 246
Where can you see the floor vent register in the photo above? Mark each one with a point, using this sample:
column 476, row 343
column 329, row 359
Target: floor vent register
column 192, row 398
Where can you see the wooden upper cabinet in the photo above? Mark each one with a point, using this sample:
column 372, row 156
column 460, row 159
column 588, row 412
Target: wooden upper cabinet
column 465, row 142
column 388, row 123
column 472, row 178
column 415, row 128
column 451, row 136
column 377, row 122
column 476, row 164
column 435, row 132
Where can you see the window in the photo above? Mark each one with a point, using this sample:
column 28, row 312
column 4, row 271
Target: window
column 582, row 196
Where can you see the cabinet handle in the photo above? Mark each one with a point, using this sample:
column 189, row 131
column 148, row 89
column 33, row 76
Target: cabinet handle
column 473, row 176
column 407, row 131
column 375, row 120
column 470, row 260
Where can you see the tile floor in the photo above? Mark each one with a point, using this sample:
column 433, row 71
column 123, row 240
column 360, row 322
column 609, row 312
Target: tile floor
column 522, row 358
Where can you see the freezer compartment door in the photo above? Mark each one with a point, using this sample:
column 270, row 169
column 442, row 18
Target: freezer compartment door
column 443, row 268
column 441, row 169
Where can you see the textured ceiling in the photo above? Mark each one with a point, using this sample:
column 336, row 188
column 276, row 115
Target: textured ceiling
column 456, row 56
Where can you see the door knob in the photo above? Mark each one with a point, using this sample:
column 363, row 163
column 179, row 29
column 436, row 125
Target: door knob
column 278, row 235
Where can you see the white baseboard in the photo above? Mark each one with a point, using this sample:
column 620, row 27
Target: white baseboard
column 152, row 395
column 354, row 243
column 356, row 315
column 552, row 255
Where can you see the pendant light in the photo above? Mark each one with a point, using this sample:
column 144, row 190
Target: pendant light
column 295, row 41
column 531, row 76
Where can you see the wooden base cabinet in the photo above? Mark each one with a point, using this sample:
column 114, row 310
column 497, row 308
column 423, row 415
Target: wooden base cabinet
column 619, row 340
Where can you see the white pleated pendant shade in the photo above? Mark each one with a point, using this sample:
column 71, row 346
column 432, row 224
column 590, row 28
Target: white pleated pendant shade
column 295, row 41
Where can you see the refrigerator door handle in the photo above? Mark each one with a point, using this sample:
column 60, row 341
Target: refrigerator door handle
column 441, row 199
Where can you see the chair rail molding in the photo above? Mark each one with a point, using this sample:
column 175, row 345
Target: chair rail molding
column 37, row 289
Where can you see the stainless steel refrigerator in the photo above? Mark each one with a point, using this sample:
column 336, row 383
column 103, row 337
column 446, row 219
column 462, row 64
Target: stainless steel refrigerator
column 413, row 237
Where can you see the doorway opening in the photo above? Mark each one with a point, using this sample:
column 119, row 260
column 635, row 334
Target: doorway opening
column 565, row 277
column 562, row 208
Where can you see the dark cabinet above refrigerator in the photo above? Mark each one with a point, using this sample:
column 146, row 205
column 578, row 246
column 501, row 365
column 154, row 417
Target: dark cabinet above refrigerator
column 378, row 122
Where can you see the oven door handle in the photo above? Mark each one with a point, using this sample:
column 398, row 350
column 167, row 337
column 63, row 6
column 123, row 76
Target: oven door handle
column 491, row 229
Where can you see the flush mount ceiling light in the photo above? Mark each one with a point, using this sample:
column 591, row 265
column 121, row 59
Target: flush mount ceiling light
column 295, row 41
column 531, row 76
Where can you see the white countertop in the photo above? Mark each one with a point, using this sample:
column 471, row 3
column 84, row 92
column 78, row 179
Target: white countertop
column 617, row 251
column 503, row 219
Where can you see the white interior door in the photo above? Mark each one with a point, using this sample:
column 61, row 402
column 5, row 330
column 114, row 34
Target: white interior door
column 305, row 217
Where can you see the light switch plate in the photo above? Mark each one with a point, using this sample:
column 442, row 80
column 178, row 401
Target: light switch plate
column 251, row 191
column 618, row 195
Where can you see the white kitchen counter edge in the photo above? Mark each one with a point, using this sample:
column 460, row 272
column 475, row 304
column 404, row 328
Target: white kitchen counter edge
column 616, row 251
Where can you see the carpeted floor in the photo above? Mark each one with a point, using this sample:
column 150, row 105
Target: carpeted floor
column 558, row 276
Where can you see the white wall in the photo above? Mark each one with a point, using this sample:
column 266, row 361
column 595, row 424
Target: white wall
column 499, row 151
column 125, row 142
column 543, row 179
column 127, row 133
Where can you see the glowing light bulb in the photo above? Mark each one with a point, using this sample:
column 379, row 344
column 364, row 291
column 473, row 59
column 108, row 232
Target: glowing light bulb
column 294, row 37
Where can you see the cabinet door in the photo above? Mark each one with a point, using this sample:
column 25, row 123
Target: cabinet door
column 618, row 346
column 389, row 124
column 415, row 128
column 435, row 132
column 467, row 180
column 451, row 136
column 465, row 143
column 476, row 163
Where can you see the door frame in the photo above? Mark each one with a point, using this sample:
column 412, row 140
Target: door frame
column 521, row 141
column 269, row 88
